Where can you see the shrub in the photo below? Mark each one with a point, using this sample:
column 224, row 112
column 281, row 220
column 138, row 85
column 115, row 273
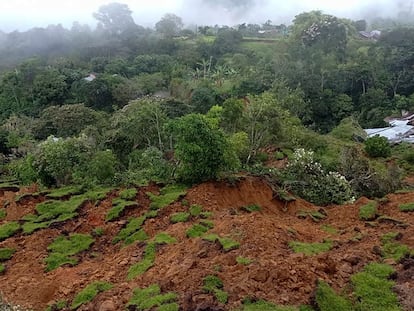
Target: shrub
column 23, row 170
column 306, row 178
column 377, row 146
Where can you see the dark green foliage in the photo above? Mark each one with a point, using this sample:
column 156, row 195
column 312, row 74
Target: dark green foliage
column 368, row 211
column 63, row 250
column 150, row 297
column 310, row 248
column 377, row 146
column 199, row 148
column 8, row 229
column 328, row 300
column 89, row 293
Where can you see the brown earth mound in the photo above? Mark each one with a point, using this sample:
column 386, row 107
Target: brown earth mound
column 276, row 273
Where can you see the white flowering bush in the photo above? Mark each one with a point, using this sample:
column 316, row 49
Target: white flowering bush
column 306, row 178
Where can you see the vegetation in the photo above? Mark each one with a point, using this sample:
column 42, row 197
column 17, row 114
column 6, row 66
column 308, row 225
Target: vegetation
column 197, row 230
column 132, row 232
column 151, row 297
column 167, row 196
column 63, row 250
column 310, row 249
column 3, row 213
column 368, row 211
column 391, row 248
column 196, row 210
column 180, row 217
column 243, row 260
column 265, row 306
column 89, row 292
column 118, row 207
column 8, row 229
column 407, row 207
column 251, row 208
column 128, row 194
column 213, row 284
column 327, row 299
column 226, row 243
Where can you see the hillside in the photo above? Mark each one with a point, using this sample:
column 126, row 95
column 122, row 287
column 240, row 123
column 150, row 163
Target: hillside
column 259, row 263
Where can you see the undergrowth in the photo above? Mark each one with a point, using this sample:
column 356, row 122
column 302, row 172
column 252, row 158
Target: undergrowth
column 128, row 194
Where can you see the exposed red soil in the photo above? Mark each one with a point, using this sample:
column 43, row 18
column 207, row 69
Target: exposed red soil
column 276, row 274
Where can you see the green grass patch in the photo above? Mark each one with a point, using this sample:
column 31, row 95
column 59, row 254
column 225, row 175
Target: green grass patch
column 89, row 293
column 53, row 211
column 262, row 305
column 368, row 211
column 329, row 229
column 197, row 230
column 118, row 207
column 206, row 214
column 2, row 268
column 310, row 249
column 314, row 215
column 128, row 194
column 3, row 213
column 328, row 300
column 212, row 284
column 168, row 195
column 132, row 226
column 8, row 229
column 6, row 253
column 63, row 250
column 251, row 208
column 226, row 243
column 59, row 305
column 195, row 210
column 408, row 207
column 149, row 255
column 60, row 193
column 151, row 297
column 98, row 232
column 243, row 260
column 393, row 249
column 373, row 290
column 179, row 217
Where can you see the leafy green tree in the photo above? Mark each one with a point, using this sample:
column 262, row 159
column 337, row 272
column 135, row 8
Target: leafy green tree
column 202, row 99
column 227, row 41
column 170, row 25
column 115, row 18
column 199, row 148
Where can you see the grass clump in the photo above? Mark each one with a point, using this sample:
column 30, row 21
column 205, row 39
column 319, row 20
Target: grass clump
column 408, row 207
column 60, row 193
column 316, row 216
column 53, row 211
column 8, row 229
column 328, row 300
column 98, row 232
column 262, row 305
column 393, row 249
column 62, row 250
column 195, row 210
column 310, row 249
column 60, row 305
column 149, row 255
column 167, row 195
column 368, row 211
column 89, row 293
column 118, row 207
column 6, row 253
column 329, row 229
column 213, row 284
column 3, row 213
column 251, row 208
column 128, row 194
column 197, row 230
column 151, row 297
column 179, row 217
column 243, row 260
column 226, row 243
column 373, row 290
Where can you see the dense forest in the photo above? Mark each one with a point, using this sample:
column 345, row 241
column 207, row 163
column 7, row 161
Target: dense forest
column 123, row 104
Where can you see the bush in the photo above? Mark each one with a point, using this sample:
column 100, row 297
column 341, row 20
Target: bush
column 23, row 170
column 307, row 179
column 377, row 146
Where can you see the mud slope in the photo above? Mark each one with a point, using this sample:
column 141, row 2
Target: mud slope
column 276, row 273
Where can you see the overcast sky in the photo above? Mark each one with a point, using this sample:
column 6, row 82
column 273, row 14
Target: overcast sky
column 24, row 14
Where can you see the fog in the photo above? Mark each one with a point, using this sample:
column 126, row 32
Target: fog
column 24, row 14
